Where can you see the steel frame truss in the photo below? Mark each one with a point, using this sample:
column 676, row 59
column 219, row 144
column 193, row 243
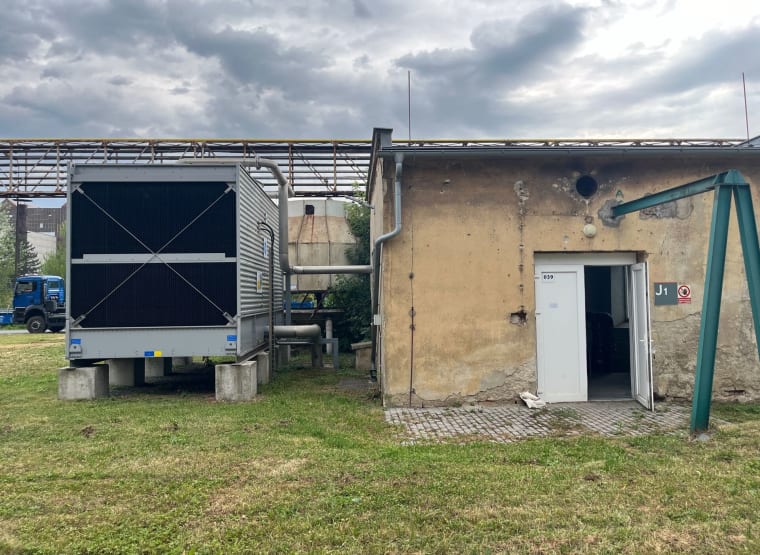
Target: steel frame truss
column 38, row 167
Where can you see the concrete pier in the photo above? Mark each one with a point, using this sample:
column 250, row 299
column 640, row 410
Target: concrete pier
column 157, row 367
column 236, row 382
column 263, row 370
column 125, row 372
column 88, row 382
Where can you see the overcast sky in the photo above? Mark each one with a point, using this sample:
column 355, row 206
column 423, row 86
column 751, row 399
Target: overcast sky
column 336, row 69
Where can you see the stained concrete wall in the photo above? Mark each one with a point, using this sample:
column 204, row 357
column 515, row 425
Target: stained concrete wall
column 463, row 266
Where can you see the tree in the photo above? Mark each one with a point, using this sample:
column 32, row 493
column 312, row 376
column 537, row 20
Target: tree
column 352, row 292
column 28, row 262
column 7, row 257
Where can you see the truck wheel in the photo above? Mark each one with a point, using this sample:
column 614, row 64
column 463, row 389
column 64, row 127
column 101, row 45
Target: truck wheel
column 35, row 324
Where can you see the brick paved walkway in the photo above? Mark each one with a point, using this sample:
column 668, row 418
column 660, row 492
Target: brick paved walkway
column 508, row 423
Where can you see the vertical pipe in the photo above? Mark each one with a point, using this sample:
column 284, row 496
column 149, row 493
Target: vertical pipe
column 708, row 333
column 751, row 250
column 328, row 334
column 376, row 257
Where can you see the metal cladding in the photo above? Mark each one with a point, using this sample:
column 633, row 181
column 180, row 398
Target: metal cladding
column 159, row 254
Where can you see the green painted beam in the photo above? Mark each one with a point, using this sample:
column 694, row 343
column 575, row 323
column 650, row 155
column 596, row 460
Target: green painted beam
column 730, row 177
column 708, row 333
column 751, row 251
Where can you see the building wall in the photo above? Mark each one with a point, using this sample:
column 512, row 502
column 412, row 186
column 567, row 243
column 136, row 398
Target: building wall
column 457, row 279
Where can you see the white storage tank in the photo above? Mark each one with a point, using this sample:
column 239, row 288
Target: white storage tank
column 318, row 235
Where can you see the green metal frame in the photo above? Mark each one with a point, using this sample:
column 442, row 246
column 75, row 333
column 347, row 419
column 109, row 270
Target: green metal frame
column 725, row 184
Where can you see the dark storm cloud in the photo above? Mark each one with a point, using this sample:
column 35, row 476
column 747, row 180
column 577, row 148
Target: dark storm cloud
column 360, row 9
column 461, row 90
column 253, row 56
column 336, row 68
column 505, row 48
column 21, row 29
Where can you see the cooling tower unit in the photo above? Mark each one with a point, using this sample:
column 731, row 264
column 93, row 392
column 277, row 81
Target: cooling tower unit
column 166, row 261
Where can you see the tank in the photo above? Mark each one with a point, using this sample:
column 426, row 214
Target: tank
column 318, row 235
column 167, row 261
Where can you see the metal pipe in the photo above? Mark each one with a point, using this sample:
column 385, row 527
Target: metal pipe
column 399, row 159
column 270, row 231
column 271, row 165
column 308, row 331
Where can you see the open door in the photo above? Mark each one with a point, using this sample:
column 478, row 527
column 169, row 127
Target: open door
column 641, row 353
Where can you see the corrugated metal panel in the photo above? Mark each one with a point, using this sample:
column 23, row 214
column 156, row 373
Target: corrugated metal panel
column 255, row 206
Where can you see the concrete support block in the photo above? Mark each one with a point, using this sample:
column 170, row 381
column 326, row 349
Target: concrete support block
column 158, row 367
column 316, row 354
column 88, row 382
column 181, row 362
column 263, row 370
column 363, row 351
column 283, row 355
column 124, row 371
column 236, row 382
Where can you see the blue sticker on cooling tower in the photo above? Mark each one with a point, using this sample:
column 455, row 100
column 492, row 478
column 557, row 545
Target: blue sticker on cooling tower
column 148, row 353
column 75, row 341
column 232, row 338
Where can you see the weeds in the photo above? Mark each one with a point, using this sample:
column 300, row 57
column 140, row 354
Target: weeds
column 312, row 467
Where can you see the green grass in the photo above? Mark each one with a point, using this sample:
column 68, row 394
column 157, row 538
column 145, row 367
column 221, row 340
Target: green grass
column 311, row 467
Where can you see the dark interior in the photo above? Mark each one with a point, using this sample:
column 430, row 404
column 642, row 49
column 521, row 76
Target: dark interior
column 607, row 341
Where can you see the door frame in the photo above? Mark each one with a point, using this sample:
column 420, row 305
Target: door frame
column 576, row 261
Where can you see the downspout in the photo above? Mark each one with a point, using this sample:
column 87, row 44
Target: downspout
column 399, row 158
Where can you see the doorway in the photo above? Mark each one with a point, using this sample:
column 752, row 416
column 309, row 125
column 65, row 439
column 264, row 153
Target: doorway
column 592, row 323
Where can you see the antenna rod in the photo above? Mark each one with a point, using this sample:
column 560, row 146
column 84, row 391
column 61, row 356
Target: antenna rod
column 409, row 100
column 746, row 113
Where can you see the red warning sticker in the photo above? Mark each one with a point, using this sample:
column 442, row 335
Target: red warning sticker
column 684, row 294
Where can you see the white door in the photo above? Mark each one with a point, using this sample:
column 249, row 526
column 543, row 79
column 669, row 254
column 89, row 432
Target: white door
column 561, row 333
column 641, row 354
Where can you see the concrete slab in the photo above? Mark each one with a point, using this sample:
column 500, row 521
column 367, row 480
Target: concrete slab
column 124, row 371
column 507, row 423
column 236, row 382
column 88, row 382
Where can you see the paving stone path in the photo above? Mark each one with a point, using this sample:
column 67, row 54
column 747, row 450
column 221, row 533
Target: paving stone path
column 507, row 423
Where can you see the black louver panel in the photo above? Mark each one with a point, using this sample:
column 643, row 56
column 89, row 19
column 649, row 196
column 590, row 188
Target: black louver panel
column 154, row 296
column 154, row 213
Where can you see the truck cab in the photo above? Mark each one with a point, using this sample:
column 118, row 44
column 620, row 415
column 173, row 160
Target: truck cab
column 39, row 303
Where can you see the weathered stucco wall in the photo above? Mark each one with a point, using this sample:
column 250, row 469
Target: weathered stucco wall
column 457, row 280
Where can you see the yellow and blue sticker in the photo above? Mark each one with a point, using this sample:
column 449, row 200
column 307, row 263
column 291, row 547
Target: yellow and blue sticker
column 153, row 354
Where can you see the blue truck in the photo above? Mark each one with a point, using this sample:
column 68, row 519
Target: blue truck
column 39, row 303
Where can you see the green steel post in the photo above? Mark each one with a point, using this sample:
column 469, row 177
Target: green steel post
column 708, row 333
column 751, row 250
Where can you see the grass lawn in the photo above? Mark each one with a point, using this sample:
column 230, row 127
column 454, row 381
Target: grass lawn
column 311, row 467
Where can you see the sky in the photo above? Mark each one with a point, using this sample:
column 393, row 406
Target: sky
column 335, row 69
